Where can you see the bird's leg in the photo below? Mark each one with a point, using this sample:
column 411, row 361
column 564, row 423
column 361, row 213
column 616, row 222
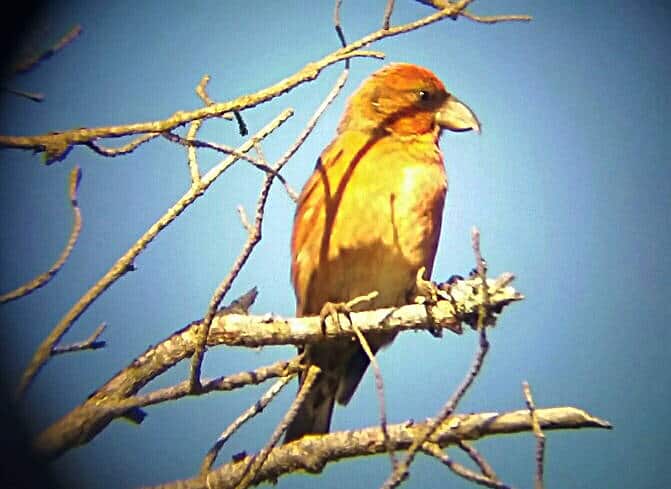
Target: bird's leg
column 334, row 309
column 427, row 293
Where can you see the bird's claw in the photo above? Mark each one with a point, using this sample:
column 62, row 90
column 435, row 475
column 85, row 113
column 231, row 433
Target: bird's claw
column 428, row 293
column 333, row 310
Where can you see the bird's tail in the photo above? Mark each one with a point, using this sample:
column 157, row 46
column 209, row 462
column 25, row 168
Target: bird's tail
column 314, row 415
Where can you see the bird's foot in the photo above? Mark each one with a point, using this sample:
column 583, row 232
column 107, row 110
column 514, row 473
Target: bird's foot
column 428, row 294
column 333, row 310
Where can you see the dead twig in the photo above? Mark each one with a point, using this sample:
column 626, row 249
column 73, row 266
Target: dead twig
column 44, row 278
column 313, row 453
column 379, row 382
column 538, row 433
column 255, row 463
column 479, row 460
column 252, row 411
column 388, row 9
column 461, row 470
column 90, row 343
column 253, row 237
column 124, row 263
column 32, row 62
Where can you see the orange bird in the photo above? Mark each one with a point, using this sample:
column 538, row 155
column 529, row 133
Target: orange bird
column 369, row 218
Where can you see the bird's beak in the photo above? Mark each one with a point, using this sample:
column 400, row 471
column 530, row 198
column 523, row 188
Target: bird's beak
column 455, row 115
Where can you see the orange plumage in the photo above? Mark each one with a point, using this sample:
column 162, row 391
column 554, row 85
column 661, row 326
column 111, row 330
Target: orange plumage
column 369, row 217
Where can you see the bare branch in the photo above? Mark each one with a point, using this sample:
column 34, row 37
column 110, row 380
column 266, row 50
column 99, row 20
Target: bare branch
column 312, row 453
column 402, row 470
column 388, row 9
column 91, row 343
column 57, row 144
column 495, row 19
column 538, row 433
column 485, row 19
column 459, row 469
column 44, row 278
column 125, row 262
column 255, row 463
column 239, row 329
column 338, row 27
column 252, row 411
column 379, row 388
column 108, row 403
column 479, row 460
column 30, row 63
column 34, row 96
column 122, row 150
column 202, row 93
column 253, row 237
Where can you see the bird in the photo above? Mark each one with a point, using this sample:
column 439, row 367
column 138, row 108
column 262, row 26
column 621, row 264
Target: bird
column 369, row 218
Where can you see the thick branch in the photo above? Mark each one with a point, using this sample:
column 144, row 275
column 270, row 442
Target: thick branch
column 90, row 418
column 312, row 453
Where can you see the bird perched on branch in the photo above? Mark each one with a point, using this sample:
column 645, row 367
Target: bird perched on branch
column 369, row 218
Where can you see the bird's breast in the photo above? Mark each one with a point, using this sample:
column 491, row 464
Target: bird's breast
column 371, row 220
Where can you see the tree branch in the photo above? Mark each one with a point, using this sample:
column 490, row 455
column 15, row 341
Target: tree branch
column 312, row 453
column 112, row 401
column 125, row 262
column 44, row 278
column 58, row 144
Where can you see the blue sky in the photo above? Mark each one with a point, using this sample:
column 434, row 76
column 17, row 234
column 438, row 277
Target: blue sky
column 568, row 183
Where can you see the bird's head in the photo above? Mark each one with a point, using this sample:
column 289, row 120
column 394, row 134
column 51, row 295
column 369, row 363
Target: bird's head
column 406, row 99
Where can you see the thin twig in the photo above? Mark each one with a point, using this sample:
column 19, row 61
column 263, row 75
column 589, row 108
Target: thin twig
column 253, row 237
column 226, row 383
column 379, row 389
column 252, row 411
column 34, row 96
column 388, row 9
column 58, row 144
column 122, row 265
column 191, row 154
column 222, row 148
column 30, row 63
column 538, row 433
column 122, row 150
column 256, row 462
column 379, row 382
column 338, row 27
column 402, row 469
column 479, row 460
column 494, row 19
column 91, row 343
column 459, row 469
column 44, row 278
column 242, row 127
column 485, row 19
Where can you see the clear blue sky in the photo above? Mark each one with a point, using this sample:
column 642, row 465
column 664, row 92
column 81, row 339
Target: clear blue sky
column 569, row 184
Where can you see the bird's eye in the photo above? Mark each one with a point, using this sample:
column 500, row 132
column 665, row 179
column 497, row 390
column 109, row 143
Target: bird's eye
column 424, row 95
